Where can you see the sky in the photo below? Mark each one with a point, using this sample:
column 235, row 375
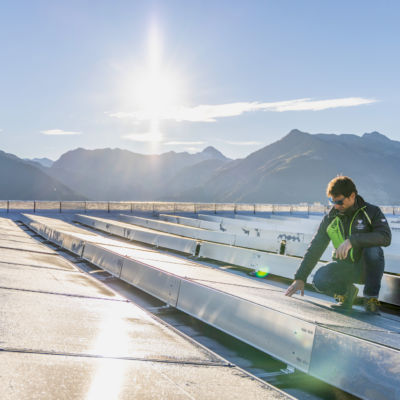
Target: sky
column 156, row 76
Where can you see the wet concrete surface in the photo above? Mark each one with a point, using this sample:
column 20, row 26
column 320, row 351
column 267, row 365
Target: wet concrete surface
column 89, row 326
column 30, row 246
column 61, row 377
column 15, row 256
column 47, row 280
column 64, row 335
column 386, row 332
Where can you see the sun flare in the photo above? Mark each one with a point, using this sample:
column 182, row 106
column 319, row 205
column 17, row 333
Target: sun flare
column 156, row 93
column 153, row 90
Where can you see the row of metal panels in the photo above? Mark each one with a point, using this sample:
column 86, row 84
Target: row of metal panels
column 182, row 294
column 249, row 237
column 286, row 267
column 297, row 243
column 269, row 238
column 272, row 263
column 275, row 264
column 241, row 224
column 320, row 351
column 307, row 222
column 157, row 239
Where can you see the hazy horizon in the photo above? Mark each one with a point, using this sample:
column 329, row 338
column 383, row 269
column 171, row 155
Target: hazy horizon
column 188, row 151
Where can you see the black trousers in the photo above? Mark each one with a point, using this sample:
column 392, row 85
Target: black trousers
column 337, row 276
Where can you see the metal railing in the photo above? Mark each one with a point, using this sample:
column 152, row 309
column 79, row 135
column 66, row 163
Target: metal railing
column 167, row 207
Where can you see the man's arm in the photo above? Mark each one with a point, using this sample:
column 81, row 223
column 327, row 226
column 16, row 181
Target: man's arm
column 295, row 287
column 318, row 245
column 380, row 234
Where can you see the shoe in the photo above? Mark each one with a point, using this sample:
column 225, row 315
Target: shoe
column 371, row 305
column 345, row 302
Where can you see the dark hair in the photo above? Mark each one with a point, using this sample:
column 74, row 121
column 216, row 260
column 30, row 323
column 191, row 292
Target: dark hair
column 341, row 185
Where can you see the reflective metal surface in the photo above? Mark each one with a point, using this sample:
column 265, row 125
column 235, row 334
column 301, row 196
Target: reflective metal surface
column 65, row 335
column 274, row 264
column 349, row 360
column 288, row 338
column 65, row 378
column 234, row 303
column 137, row 234
column 176, row 229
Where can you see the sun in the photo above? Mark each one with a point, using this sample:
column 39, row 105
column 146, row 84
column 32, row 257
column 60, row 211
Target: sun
column 152, row 91
column 156, row 92
column 156, row 87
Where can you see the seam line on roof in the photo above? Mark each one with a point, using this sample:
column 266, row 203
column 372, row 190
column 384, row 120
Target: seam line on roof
column 97, row 356
column 29, row 251
column 41, row 267
column 64, row 294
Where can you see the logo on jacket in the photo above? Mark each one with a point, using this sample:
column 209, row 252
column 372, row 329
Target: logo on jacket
column 360, row 224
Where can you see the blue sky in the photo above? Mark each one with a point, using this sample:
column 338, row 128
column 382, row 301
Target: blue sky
column 154, row 76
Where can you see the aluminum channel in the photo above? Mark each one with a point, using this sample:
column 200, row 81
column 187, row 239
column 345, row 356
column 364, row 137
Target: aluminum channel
column 296, row 244
column 127, row 231
column 235, row 303
column 284, row 266
column 264, row 223
column 176, row 229
column 298, row 240
column 272, row 219
column 270, row 242
column 115, row 350
column 210, row 225
column 307, row 225
column 275, row 264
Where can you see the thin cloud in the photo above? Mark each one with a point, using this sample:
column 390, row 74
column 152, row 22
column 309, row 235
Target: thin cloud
column 210, row 113
column 192, row 149
column 59, row 132
column 143, row 137
column 183, row 143
column 243, row 143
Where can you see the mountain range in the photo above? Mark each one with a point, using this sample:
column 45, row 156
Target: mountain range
column 23, row 180
column 298, row 167
column 115, row 174
column 293, row 169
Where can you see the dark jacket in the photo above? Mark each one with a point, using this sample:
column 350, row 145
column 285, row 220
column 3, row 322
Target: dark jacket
column 366, row 231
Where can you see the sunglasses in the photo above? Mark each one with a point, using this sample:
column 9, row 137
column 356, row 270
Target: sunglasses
column 337, row 202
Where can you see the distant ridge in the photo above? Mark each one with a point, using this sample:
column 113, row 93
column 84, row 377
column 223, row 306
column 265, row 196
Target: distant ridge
column 44, row 162
column 294, row 169
column 115, row 174
column 298, row 167
column 20, row 180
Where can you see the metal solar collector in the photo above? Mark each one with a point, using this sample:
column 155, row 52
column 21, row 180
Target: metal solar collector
column 353, row 354
column 280, row 265
column 295, row 243
column 67, row 335
column 127, row 231
column 176, row 229
column 261, row 223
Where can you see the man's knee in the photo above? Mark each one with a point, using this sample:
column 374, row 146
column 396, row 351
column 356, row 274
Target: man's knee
column 373, row 255
column 320, row 280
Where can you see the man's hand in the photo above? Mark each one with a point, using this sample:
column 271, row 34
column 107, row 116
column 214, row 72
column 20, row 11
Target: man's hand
column 343, row 250
column 294, row 287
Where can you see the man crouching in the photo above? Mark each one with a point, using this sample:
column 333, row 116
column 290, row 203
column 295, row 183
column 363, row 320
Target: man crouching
column 357, row 230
